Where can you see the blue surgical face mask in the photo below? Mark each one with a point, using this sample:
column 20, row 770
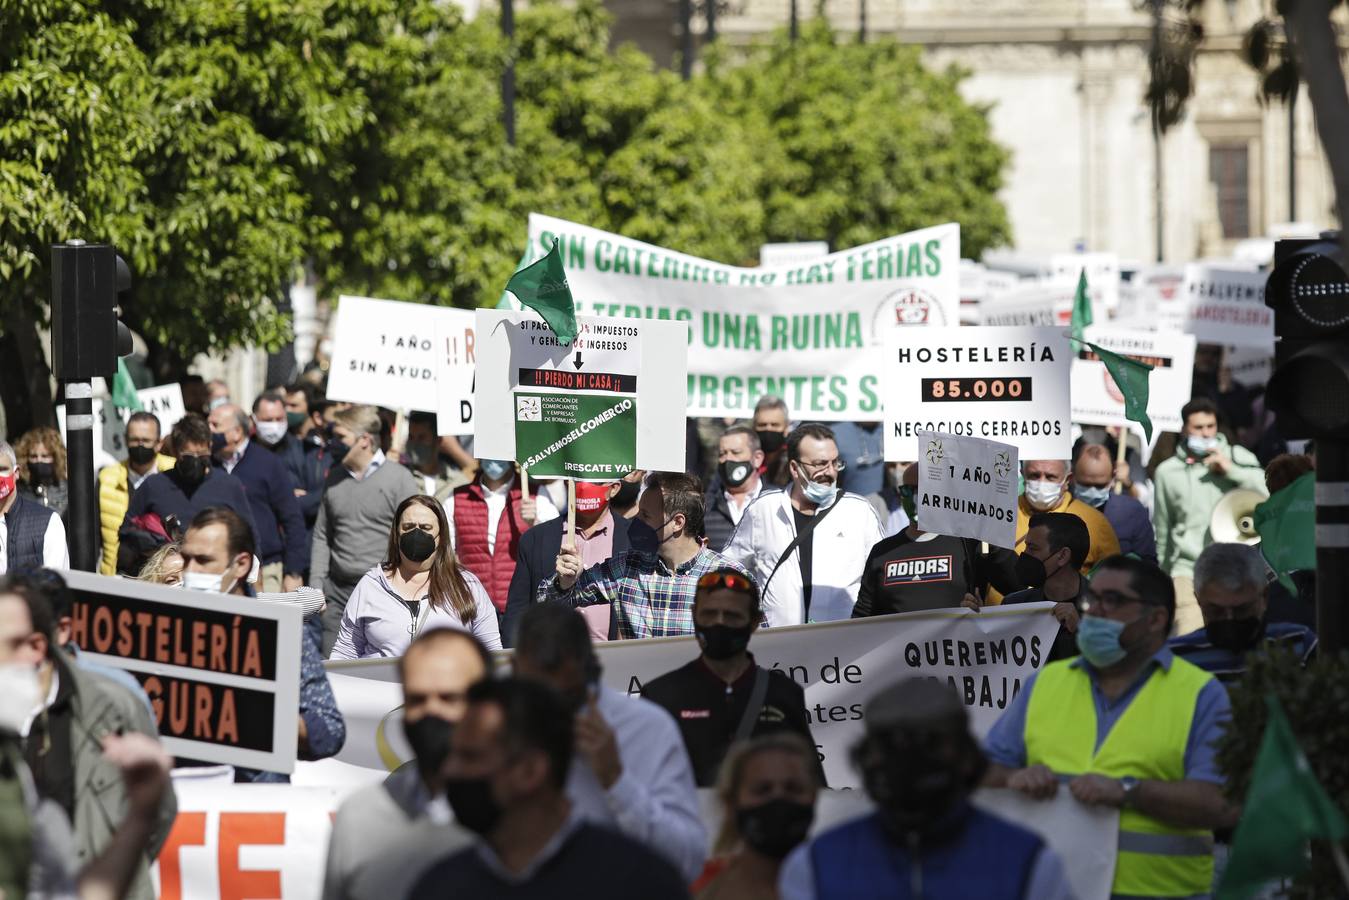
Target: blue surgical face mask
column 495, row 469
column 1200, row 446
column 1092, row 496
column 1099, row 640
column 819, row 494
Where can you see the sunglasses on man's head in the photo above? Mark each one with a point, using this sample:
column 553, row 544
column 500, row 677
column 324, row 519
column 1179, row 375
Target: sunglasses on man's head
column 729, row 580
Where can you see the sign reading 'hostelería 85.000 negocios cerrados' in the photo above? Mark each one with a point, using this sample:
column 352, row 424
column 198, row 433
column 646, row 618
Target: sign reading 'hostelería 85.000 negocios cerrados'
column 810, row 333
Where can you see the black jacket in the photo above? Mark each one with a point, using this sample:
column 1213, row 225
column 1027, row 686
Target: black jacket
column 708, row 714
column 717, row 523
column 536, row 559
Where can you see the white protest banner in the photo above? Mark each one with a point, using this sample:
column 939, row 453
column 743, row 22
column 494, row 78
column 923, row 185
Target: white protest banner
column 1154, row 300
column 1098, row 401
column 998, row 383
column 387, row 353
column 1039, row 302
column 1250, row 366
column 986, row 657
column 1227, row 306
column 270, row 840
column 222, row 673
column 456, row 344
column 610, row 402
column 164, row 402
column 1103, row 275
column 808, row 333
column 967, row 488
column 777, row 256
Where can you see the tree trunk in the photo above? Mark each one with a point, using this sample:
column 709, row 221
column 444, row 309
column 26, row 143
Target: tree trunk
column 26, row 389
column 1319, row 58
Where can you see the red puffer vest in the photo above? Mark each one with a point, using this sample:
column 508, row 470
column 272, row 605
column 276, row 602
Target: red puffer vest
column 494, row 570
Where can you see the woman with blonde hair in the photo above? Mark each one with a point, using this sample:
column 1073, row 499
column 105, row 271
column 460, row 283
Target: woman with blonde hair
column 766, row 791
column 165, row 566
column 42, row 468
column 419, row 586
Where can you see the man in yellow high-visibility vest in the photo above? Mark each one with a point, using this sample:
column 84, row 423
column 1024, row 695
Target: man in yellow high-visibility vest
column 1126, row 725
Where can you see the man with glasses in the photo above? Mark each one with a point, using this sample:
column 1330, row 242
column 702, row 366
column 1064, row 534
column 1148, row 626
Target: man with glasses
column 807, row 546
column 1126, row 725
column 118, row 481
column 723, row 696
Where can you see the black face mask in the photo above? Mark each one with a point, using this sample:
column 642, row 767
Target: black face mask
column 723, row 641
column 430, row 740
column 627, row 494
column 42, row 473
column 775, row 827
column 1236, row 635
column 217, row 443
column 474, row 806
column 913, row 792
column 735, row 472
column 771, row 441
column 1030, row 571
column 337, row 449
column 139, row 454
column 416, row 545
column 192, row 469
column 643, row 538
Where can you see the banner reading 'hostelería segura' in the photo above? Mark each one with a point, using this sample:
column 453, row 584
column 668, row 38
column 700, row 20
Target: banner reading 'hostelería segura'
column 810, row 333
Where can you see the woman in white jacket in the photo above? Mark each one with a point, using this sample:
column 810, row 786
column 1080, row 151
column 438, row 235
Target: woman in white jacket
column 419, row 586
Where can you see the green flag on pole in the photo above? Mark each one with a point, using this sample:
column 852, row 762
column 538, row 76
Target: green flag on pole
column 124, row 389
column 1081, row 309
column 542, row 286
column 506, row 301
column 1286, row 523
column 1285, row 808
column 1131, row 377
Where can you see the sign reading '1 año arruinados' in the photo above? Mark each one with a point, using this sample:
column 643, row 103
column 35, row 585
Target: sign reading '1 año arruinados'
column 809, row 333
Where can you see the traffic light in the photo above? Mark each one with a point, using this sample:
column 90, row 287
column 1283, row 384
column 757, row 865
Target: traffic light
column 87, row 333
column 1308, row 290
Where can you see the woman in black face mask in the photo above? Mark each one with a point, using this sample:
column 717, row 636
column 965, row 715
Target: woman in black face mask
column 767, row 791
column 419, row 586
column 42, row 468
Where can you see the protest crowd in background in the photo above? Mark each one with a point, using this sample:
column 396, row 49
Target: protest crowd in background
column 537, row 776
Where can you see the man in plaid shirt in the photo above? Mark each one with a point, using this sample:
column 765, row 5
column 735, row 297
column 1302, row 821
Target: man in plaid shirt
column 650, row 587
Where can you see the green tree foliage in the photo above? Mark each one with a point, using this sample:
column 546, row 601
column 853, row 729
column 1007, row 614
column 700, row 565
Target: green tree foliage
column 1315, row 699
column 220, row 145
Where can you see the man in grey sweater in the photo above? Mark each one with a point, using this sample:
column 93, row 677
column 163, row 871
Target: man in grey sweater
column 352, row 531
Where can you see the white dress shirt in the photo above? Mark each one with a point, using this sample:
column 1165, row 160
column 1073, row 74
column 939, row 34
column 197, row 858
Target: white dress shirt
column 748, row 497
column 237, row 455
column 55, row 553
column 496, row 498
column 655, row 800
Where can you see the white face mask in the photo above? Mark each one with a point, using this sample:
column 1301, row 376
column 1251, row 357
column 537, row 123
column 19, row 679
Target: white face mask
column 1043, row 494
column 19, row 695
column 206, row 582
column 271, row 432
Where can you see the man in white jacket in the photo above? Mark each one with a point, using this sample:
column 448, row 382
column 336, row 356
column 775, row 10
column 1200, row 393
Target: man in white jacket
column 815, row 578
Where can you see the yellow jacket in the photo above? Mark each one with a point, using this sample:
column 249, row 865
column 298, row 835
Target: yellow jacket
column 113, row 499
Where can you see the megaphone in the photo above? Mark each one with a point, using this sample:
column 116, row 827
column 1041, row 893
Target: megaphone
column 1233, row 519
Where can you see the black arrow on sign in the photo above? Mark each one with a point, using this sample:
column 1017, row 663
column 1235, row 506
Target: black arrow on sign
column 577, row 361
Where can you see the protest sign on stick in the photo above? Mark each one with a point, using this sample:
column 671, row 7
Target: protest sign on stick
column 610, row 402
column 391, row 354
column 999, row 383
column 809, row 332
column 1227, row 306
column 967, row 487
column 222, row 672
column 1097, row 400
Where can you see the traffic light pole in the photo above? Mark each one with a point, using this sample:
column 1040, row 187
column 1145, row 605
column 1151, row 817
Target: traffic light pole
column 82, row 518
column 1332, row 544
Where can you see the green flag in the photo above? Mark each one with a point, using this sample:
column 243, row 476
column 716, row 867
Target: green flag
column 1284, row 809
column 1131, row 377
column 1081, row 309
column 542, row 286
column 1286, row 523
column 506, row 301
column 124, row 389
